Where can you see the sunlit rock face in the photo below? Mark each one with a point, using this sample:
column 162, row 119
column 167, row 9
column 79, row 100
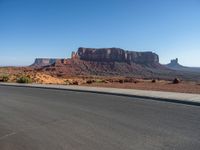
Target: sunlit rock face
column 116, row 54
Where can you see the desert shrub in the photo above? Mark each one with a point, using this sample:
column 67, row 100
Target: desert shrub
column 176, row 81
column 24, row 79
column 105, row 81
column 136, row 81
column 67, row 82
column 4, row 78
column 99, row 81
column 89, row 81
column 153, row 81
column 75, row 83
column 93, row 81
column 110, row 80
column 121, row 81
column 126, row 80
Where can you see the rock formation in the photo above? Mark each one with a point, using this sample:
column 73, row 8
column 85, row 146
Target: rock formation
column 103, row 62
column 104, row 55
column 174, row 65
column 116, row 55
column 41, row 62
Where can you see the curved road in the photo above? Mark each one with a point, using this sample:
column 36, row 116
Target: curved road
column 42, row 119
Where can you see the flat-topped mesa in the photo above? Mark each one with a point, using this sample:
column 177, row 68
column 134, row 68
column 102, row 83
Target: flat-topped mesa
column 40, row 62
column 116, row 54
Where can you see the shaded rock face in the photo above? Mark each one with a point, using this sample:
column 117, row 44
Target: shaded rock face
column 41, row 62
column 117, row 55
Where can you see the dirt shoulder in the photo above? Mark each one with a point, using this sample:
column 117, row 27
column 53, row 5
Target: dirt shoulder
column 184, row 87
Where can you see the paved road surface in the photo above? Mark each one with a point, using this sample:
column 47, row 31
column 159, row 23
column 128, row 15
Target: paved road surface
column 42, row 119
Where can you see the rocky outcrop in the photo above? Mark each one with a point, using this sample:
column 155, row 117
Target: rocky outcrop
column 103, row 62
column 41, row 62
column 174, row 65
column 103, row 55
column 116, row 55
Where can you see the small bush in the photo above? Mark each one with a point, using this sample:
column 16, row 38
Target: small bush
column 75, row 83
column 153, row 81
column 4, row 78
column 176, row 81
column 67, row 82
column 136, row 81
column 98, row 81
column 24, row 79
column 121, row 81
column 89, row 81
column 105, row 81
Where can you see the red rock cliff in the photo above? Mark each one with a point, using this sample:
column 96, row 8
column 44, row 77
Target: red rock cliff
column 117, row 54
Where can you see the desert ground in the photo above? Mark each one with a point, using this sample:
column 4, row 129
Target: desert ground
column 101, row 81
column 183, row 87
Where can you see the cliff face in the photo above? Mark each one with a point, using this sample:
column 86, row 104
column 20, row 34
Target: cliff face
column 117, row 55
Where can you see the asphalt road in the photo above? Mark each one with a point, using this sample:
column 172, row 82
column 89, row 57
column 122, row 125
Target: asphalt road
column 42, row 119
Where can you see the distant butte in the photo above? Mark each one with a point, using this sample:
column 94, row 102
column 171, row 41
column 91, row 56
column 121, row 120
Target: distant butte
column 174, row 65
column 105, row 55
column 103, row 62
column 115, row 55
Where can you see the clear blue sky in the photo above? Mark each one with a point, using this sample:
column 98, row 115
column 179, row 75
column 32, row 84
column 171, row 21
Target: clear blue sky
column 53, row 28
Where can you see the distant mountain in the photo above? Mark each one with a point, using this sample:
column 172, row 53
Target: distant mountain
column 174, row 65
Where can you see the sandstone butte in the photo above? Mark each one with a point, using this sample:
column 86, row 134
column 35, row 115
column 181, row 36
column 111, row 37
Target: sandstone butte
column 103, row 62
column 110, row 67
column 105, row 55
